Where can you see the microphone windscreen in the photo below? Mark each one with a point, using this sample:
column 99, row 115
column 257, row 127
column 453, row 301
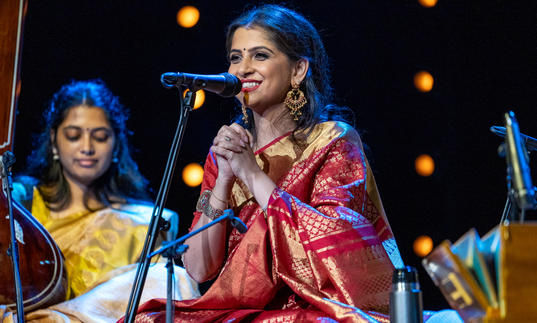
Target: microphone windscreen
column 233, row 85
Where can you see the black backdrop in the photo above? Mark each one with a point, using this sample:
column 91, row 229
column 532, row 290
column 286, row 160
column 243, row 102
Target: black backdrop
column 482, row 55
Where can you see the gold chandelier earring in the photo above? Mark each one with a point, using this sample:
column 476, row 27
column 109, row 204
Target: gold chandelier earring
column 295, row 100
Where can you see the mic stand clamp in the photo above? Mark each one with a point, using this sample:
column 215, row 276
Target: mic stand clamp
column 7, row 160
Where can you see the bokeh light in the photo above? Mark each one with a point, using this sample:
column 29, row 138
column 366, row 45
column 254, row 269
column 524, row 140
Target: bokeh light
column 423, row 81
column 428, row 3
column 188, row 16
column 193, row 174
column 424, row 165
column 423, row 245
column 200, row 98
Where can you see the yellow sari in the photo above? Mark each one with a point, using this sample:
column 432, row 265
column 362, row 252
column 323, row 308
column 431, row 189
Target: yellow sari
column 100, row 249
column 94, row 243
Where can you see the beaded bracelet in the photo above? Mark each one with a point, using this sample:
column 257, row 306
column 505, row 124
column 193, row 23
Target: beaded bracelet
column 205, row 207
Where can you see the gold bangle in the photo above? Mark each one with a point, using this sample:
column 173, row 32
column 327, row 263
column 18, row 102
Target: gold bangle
column 218, row 199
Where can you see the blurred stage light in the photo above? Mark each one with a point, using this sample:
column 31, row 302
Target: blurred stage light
column 424, row 165
column 193, row 174
column 188, row 16
column 423, row 81
column 200, row 98
column 428, row 3
column 423, row 245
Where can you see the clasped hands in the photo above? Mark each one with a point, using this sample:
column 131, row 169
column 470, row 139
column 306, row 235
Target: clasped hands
column 234, row 154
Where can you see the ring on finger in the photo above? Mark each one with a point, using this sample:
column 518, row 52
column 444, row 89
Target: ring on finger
column 227, row 138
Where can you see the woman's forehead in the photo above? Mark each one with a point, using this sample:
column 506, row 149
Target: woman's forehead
column 87, row 116
column 245, row 38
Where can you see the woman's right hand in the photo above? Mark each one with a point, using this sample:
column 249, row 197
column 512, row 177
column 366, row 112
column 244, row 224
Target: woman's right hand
column 225, row 172
column 207, row 250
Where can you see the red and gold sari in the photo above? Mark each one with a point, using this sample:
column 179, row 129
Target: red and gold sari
column 322, row 250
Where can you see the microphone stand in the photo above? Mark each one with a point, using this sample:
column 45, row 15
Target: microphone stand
column 157, row 222
column 7, row 161
column 175, row 248
column 521, row 192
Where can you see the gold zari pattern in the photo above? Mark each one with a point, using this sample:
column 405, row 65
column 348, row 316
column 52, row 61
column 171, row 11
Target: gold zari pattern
column 320, row 241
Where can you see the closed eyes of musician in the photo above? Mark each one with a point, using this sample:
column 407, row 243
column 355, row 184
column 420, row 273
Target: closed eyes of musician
column 82, row 184
column 299, row 179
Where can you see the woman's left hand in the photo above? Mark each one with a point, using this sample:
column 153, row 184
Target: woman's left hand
column 237, row 151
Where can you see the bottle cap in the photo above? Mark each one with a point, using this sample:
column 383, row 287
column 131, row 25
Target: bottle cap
column 407, row 274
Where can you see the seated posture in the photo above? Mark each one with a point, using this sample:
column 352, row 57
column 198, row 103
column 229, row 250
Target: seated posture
column 83, row 186
column 318, row 245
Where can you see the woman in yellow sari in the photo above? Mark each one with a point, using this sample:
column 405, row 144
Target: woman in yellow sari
column 83, row 186
column 318, row 245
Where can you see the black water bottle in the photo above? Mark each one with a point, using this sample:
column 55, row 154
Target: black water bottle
column 406, row 305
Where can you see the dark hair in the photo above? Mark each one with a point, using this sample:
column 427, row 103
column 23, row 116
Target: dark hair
column 297, row 38
column 122, row 179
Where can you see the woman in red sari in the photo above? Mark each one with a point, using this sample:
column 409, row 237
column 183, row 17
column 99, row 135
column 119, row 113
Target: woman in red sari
column 319, row 245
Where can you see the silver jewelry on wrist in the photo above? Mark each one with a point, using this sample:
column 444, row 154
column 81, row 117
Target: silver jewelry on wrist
column 205, row 207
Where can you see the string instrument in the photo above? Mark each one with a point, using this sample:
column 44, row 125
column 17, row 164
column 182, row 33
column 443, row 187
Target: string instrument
column 42, row 271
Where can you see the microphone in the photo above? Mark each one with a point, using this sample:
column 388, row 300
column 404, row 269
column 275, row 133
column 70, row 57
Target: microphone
column 517, row 165
column 225, row 84
column 530, row 142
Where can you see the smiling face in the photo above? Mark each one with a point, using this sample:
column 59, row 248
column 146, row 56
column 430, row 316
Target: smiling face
column 85, row 143
column 266, row 73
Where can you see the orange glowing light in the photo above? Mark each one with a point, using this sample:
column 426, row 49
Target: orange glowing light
column 423, row 81
column 200, row 98
column 428, row 3
column 188, row 16
column 423, row 245
column 424, row 165
column 193, row 174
